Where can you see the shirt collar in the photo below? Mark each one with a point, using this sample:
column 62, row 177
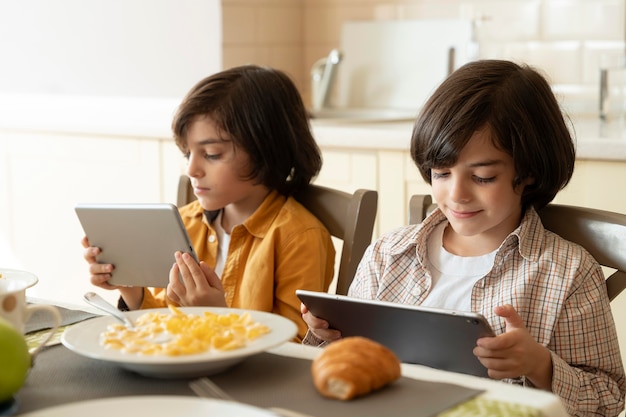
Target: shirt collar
column 415, row 237
column 260, row 221
column 263, row 217
column 528, row 236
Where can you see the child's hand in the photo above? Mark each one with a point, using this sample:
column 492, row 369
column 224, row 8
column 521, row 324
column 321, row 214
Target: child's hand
column 100, row 273
column 200, row 285
column 515, row 353
column 318, row 327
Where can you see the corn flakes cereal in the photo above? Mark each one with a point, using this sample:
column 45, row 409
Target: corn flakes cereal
column 179, row 333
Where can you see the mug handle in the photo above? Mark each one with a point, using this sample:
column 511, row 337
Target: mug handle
column 57, row 322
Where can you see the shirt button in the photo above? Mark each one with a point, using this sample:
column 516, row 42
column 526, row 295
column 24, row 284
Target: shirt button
column 212, row 238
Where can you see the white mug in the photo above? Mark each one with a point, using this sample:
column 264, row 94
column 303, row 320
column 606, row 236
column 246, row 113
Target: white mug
column 13, row 305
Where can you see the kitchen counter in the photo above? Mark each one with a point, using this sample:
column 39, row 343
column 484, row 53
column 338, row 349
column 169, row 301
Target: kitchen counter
column 106, row 116
column 151, row 118
column 595, row 140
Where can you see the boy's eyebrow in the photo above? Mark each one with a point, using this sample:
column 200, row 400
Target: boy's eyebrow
column 209, row 141
column 488, row 162
column 478, row 164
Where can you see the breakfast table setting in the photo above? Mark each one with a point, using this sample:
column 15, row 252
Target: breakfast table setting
column 72, row 374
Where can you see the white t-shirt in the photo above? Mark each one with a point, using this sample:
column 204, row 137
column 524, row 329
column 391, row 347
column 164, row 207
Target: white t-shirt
column 453, row 276
column 223, row 241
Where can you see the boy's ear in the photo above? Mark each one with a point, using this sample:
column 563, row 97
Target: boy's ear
column 530, row 180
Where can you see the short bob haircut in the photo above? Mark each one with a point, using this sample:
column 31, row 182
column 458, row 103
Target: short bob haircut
column 518, row 106
column 261, row 111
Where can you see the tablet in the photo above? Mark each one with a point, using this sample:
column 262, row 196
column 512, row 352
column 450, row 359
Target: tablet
column 139, row 239
column 442, row 339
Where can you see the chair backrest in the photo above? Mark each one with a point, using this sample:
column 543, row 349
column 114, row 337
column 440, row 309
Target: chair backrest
column 185, row 193
column 420, row 206
column 349, row 217
column 602, row 233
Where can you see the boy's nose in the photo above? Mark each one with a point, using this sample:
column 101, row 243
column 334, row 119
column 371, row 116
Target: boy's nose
column 459, row 191
column 194, row 169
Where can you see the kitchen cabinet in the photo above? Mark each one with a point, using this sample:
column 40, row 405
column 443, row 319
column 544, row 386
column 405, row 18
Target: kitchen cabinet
column 349, row 170
column 596, row 184
column 44, row 175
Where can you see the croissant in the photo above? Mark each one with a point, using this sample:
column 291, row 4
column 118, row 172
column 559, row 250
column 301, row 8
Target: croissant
column 354, row 366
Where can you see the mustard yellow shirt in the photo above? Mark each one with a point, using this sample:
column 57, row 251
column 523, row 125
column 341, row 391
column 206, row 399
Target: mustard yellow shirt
column 281, row 247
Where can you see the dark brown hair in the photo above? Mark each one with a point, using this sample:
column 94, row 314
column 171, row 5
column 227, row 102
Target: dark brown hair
column 261, row 111
column 518, row 106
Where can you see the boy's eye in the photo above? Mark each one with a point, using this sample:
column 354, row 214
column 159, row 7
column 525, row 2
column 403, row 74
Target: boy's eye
column 435, row 174
column 483, row 180
column 211, row 156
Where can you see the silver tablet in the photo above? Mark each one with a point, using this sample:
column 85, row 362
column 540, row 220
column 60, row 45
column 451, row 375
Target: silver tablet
column 138, row 239
column 442, row 339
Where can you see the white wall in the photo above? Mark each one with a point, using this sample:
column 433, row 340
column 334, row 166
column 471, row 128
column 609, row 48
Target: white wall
column 146, row 48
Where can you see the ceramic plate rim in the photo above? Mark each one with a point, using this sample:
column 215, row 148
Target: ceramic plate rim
column 79, row 339
column 28, row 277
column 165, row 403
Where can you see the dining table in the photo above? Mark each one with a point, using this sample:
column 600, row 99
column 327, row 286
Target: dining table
column 278, row 377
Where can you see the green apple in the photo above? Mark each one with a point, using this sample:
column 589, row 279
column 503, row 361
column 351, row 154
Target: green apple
column 15, row 360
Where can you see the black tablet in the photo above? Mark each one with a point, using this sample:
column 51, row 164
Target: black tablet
column 442, row 339
column 139, row 239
